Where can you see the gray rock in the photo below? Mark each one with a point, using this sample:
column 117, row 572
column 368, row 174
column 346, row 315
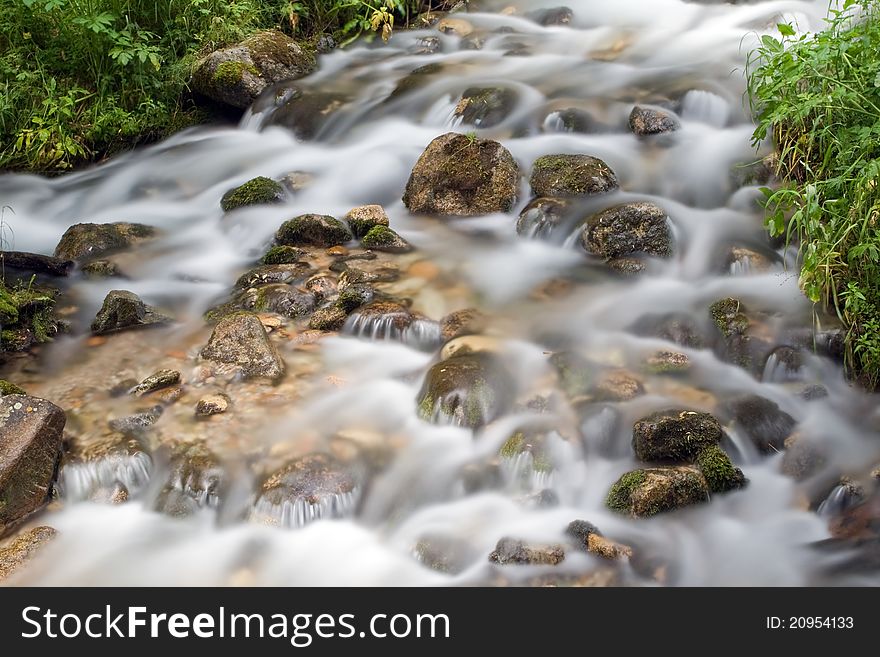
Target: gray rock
column 239, row 339
column 645, row 121
column 125, row 310
column 628, row 229
column 88, row 241
column 512, row 551
column 542, row 217
column 762, row 421
column 462, row 176
column 30, row 447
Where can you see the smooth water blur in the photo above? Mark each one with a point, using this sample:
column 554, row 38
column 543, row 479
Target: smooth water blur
column 686, row 55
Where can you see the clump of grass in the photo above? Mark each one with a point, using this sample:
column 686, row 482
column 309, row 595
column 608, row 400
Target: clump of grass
column 818, row 96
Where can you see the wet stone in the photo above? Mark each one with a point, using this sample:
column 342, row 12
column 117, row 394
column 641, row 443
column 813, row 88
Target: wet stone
column 212, row 405
column 194, row 481
column 156, row 381
column 124, row 310
column 571, row 175
column 511, row 551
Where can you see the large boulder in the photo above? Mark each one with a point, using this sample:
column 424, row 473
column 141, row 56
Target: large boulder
column 239, row 339
column 125, row 310
column 238, row 74
column 87, row 241
column 572, row 175
column 674, row 436
column 459, row 175
column 469, row 390
column 30, row 448
column 647, row 492
column 627, row 229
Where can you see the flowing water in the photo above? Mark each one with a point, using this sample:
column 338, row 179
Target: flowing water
column 359, row 388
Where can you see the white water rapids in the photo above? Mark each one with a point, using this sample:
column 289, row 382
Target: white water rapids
column 613, row 54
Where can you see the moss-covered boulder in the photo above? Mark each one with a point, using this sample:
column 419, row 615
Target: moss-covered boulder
column 674, row 435
column 354, row 296
column 484, row 107
column 720, row 473
column 283, row 255
column 364, row 218
column 306, row 489
column 256, row 191
column 572, row 175
column 30, row 447
column 123, row 310
column 313, row 230
column 667, row 362
column 236, row 75
column 382, row 238
column 543, row 217
column 647, row 492
column 469, row 391
column 730, row 318
column 761, row 421
column 240, row 340
column 628, row 229
column 459, row 175
column 646, row 121
column 89, row 241
column 511, row 551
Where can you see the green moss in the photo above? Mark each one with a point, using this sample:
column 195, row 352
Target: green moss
column 728, row 317
column 720, row 473
column 571, row 175
column 513, row 446
column 619, row 498
column 9, row 388
column 230, row 73
column 354, row 296
column 257, row 191
column 282, row 255
column 8, row 306
column 26, row 316
column 313, row 229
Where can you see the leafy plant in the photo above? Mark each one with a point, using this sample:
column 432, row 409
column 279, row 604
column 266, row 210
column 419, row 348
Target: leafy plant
column 818, row 96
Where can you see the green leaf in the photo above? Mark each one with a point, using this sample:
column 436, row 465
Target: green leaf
column 785, row 29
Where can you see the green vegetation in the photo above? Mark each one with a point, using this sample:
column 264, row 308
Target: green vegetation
column 720, row 473
column 82, row 79
column 620, row 496
column 818, row 95
column 26, row 315
column 257, row 191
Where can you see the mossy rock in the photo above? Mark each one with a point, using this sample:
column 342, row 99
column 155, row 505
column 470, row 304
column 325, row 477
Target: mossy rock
column 516, row 552
column 459, row 175
column 90, row 241
column 628, row 229
column 256, row 191
column 572, row 175
column 9, row 388
column 101, row 269
column 313, row 230
column 485, row 107
column 647, row 492
column 720, row 473
column 382, row 238
column 26, row 316
column 269, row 274
column 354, row 296
column 729, row 316
column 469, row 391
column 522, row 442
column 283, row 255
column 278, row 298
column 674, row 435
column 238, row 74
column 366, row 217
